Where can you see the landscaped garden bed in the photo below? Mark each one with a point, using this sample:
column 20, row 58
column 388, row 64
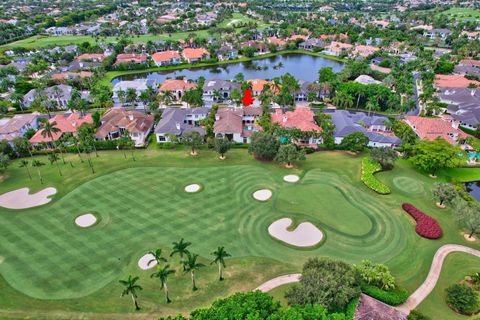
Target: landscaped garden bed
column 369, row 167
column 427, row 226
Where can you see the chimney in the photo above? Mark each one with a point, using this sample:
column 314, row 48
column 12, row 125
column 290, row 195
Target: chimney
column 177, row 125
column 284, row 118
column 130, row 116
column 74, row 123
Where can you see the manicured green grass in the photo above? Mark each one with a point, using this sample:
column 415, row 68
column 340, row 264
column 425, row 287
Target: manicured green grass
column 50, row 264
column 456, row 266
column 463, row 14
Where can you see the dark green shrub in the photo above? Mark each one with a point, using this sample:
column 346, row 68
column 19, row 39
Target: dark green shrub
column 462, row 299
column 415, row 315
column 393, row 297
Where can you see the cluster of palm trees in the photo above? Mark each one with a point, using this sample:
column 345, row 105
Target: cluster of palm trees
column 189, row 264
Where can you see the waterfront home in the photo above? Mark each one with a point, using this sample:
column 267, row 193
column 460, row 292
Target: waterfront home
column 178, row 121
column 280, row 43
column 67, row 123
column 363, row 51
column 301, row 118
column 433, row 128
column 139, row 85
column 130, row 58
column 259, row 46
column 176, row 87
column 336, row 48
column 219, row 90
column 166, row 57
column 305, row 88
column 312, row 44
column 366, row 79
column 226, row 52
column 117, row 121
column 376, row 128
column 192, row 55
column 257, row 85
column 237, row 124
column 18, row 125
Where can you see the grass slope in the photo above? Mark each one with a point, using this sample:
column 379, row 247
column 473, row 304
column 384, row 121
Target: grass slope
column 50, row 264
column 462, row 14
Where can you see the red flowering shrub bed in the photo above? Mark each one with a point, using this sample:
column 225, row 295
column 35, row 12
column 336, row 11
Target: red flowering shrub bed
column 427, row 226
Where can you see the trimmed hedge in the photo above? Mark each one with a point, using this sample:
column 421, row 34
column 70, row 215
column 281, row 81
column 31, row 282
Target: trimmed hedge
column 427, row 226
column 369, row 167
column 351, row 308
column 393, row 297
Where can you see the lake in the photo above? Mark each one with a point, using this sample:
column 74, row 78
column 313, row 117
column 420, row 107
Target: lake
column 473, row 188
column 301, row 66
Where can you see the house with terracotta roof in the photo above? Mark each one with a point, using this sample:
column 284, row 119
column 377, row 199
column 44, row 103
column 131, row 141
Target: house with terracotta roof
column 96, row 57
column 433, row 128
column 66, row 123
column 336, row 48
column 116, row 121
column 276, row 41
column 195, row 54
column 130, row 58
column 453, row 81
column 237, row 124
column 176, row 87
column 364, row 50
column 71, row 75
column 166, row 57
column 301, row 118
column 257, row 85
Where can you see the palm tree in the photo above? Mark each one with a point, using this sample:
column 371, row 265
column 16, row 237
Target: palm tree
column 157, row 256
column 180, row 248
column 131, row 288
column 162, row 275
column 191, row 265
column 167, row 97
column 24, row 164
column 49, row 129
column 37, row 164
column 53, row 158
column 220, row 254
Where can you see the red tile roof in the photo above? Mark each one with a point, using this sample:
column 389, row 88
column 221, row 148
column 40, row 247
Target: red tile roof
column 91, row 56
column 453, row 81
column 131, row 57
column 301, row 118
column 191, row 53
column 165, row 56
column 67, row 123
column 433, row 128
column 174, row 85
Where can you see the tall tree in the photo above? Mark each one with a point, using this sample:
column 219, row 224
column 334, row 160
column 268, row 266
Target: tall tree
column 193, row 139
column 430, row 156
column 385, row 156
column 162, row 274
column 191, row 265
column 219, row 258
column 157, row 257
column 468, row 216
column 180, row 248
column 24, row 164
column 131, row 288
column 222, row 145
column 289, row 153
column 445, row 193
column 37, row 164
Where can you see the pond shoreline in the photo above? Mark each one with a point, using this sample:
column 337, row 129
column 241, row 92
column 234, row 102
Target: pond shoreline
column 112, row 75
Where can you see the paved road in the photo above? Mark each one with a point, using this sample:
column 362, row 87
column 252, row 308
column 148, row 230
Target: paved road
column 427, row 286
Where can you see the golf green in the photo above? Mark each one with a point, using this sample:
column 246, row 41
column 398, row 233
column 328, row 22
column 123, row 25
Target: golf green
column 143, row 205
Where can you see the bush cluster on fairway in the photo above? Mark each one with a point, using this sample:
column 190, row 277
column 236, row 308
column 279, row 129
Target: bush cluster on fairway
column 463, row 299
column 259, row 306
column 427, row 226
column 369, row 167
column 392, row 297
column 331, row 283
column 416, row 315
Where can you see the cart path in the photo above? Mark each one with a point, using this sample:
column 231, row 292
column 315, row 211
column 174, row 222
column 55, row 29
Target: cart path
column 279, row 281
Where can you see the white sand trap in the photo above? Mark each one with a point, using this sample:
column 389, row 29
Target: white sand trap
column 292, row 178
column 262, row 194
column 21, row 199
column 85, row 220
column 191, row 188
column 305, row 235
column 143, row 262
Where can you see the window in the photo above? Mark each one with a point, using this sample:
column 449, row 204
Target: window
column 161, row 138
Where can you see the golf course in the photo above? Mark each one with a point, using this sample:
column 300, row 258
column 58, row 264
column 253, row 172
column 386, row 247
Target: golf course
column 148, row 199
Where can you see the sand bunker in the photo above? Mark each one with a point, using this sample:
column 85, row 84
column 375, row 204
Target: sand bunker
column 305, row 235
column 143, row 262
column 21, row 199
column 191, row 188
column 85, row 220
column 262, row 194
column 292, row 178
